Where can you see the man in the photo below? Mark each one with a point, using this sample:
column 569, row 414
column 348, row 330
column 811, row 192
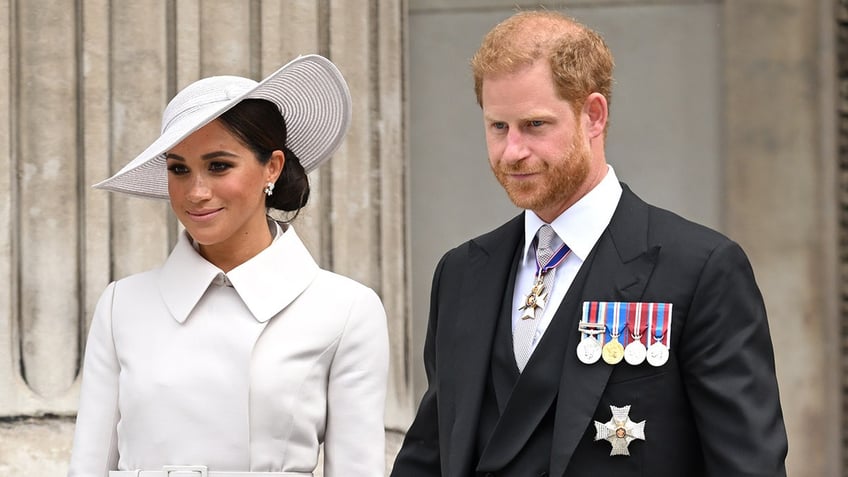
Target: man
column 619, row 339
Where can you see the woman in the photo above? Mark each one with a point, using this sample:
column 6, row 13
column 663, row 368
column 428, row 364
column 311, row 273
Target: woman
column 239, row 356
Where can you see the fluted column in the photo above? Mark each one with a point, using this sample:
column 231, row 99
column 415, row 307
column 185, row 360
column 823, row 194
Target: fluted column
column 84, row 89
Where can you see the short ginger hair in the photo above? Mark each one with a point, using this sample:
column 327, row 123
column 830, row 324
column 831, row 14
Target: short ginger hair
column 580, row 60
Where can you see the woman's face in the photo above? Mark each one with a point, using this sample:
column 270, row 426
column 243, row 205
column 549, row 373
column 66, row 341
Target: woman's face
column 216, row 185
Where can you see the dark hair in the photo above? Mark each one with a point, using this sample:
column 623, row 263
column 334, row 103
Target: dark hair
column 258, row 124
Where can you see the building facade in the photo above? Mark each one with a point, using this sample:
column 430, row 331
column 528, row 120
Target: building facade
column 729, row 112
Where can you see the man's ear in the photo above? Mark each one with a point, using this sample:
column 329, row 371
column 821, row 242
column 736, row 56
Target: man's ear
column 595, row 113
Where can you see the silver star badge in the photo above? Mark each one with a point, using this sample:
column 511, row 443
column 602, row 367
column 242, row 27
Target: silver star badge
column 620, row 431
column 535, row 299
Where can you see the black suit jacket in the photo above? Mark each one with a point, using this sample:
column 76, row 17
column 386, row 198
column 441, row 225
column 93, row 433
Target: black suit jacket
column 712, row 410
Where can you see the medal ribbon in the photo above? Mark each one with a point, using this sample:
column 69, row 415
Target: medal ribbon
column 623, row 312
column 592, row 313
column 615, row 313
column 667, row 324
column 540, row 290
column 660, row 317
column 637, row 322
column 630, row 319
column 554, row 262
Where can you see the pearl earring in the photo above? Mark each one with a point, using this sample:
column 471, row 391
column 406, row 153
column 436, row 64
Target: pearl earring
column 269, row 189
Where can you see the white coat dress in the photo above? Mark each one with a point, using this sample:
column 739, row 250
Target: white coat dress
column 248, row 371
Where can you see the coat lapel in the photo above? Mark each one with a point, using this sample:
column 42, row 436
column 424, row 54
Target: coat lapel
column 622, row 263
column 490, row 261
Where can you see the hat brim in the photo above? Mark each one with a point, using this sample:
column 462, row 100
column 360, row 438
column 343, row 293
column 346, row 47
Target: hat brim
column 313, row 98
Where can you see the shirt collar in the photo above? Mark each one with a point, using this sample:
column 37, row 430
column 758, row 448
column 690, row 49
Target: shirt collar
column 582, row 224
column 266, row 283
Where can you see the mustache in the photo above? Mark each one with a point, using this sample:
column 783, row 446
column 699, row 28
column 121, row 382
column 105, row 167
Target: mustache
column 519, row 169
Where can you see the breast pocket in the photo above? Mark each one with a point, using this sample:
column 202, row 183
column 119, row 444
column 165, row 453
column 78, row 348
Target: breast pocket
column 649, row 409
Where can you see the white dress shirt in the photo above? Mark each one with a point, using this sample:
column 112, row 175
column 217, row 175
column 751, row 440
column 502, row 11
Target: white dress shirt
column 580, row 227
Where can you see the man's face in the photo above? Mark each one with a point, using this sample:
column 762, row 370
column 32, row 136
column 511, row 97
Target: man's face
column 536, row 144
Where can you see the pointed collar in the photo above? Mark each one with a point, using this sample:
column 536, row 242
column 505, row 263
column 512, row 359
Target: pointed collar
column 266, row 283
column 582, row 224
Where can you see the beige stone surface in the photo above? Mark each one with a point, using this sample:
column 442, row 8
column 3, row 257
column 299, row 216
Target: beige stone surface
column 354, row 196
column 393, row 164
column 231, row 53
column 85, row 95
column 35, row 447
column 8, row 371
column 138, row 92
column 47, row 182
column 95, row 214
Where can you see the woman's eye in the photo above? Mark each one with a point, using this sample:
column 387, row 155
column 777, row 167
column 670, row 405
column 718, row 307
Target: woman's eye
column 219, row 166
column 177, row 169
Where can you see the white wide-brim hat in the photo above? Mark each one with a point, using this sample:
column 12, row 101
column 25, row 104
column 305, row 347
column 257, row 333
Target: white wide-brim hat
column 311, row 93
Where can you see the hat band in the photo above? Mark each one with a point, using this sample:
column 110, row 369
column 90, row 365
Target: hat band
column 190, row 110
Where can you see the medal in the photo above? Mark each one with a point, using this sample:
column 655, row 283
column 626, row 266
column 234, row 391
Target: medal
column 659, row 336
column 613, row 351
column 589, row 350
column 635, row 351
column 657, row 354
column 620, row 431
column 591, row 327
column 629, row 331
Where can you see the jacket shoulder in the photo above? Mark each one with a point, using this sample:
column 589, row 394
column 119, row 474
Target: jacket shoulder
column 346, row 292
column 672, row 231
column 664, row 227
column 341, row 283
column 506, row 235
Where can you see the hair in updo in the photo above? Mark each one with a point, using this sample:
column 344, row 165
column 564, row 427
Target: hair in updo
column 260, row 126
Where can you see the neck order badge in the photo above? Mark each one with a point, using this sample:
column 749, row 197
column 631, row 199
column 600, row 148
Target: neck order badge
column 545, row 263
column 524, row 334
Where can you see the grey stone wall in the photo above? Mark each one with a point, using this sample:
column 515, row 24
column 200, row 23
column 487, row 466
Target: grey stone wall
column 780, row 202
column 842, row 175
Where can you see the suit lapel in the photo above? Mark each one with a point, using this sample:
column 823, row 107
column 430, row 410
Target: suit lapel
column 535, row 391
column 490, row 261
column 622, row 263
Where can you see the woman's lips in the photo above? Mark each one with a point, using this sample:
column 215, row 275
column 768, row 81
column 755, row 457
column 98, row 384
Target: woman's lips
column 203, row 215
